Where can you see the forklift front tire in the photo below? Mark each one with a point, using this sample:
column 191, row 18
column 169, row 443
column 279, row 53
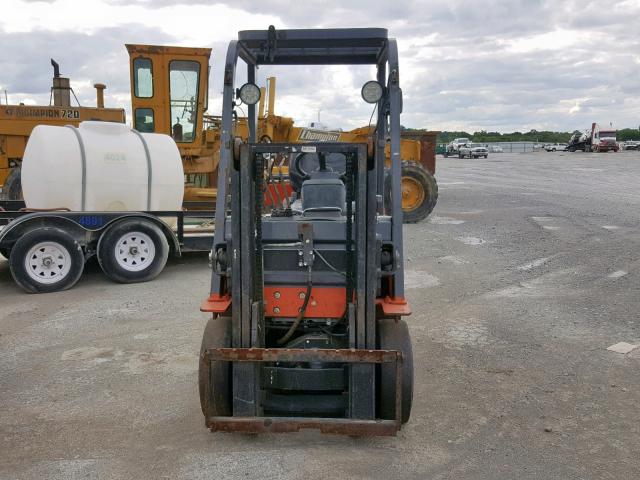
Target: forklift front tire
column 214, row 378
column 394, row 335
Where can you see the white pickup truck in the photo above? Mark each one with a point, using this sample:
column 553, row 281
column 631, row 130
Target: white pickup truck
column 553, row 147
column 473, row 150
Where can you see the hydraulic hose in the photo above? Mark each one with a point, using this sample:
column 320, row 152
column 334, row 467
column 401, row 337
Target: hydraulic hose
column 296, row 323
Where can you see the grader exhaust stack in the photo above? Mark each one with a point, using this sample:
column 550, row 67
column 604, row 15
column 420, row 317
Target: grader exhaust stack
column 61, row 88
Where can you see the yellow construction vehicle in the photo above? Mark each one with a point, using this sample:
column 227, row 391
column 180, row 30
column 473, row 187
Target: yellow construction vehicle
column 169, row 88
column 17, row 122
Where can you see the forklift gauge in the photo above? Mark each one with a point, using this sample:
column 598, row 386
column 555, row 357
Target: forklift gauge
column 372, row 91
column 250, row 93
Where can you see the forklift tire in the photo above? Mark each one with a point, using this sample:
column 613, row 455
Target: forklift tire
column 46, row 260
column 419, row 192
column 394, row 335
column 133, row 250
column 12, row 188
column 214, row 379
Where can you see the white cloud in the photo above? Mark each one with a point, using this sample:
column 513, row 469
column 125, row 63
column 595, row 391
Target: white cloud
column 495, row 65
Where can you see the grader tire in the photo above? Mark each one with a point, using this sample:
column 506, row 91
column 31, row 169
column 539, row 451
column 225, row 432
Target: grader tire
column 214, row 378
column 419, row 192
column 12, row 188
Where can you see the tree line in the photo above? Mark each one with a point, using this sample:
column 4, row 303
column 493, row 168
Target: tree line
column 538, row 136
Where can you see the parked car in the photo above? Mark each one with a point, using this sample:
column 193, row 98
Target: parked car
column 553, row 147
column 473, row 150
column 631, row 145
column 495, row 149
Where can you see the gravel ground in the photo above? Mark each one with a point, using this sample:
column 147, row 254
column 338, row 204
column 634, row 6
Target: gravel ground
column 526, row 272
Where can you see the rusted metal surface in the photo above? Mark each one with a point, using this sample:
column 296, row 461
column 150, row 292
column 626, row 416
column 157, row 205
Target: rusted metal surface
column 339, row 426
column 303, row 355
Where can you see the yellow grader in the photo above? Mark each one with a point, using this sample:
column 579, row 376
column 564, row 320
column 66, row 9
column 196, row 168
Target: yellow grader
column 17, row 122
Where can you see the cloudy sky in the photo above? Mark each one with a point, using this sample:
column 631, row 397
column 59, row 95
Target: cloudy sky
column 495, row 65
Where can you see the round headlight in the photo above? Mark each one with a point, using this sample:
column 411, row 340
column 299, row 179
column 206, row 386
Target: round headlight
column 372, row 91
column 250, row 93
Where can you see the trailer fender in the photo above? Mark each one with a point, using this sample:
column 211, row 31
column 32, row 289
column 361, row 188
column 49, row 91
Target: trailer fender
column 20, row 226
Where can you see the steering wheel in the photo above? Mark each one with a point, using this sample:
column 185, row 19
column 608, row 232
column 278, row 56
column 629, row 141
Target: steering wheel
column 302, row 165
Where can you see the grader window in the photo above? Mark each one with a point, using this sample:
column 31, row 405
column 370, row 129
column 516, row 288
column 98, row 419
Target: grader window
column 144, row 120
column 143, row 78
column 184, row 79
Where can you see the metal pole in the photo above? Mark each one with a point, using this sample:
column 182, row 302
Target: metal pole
column 395, row 100
column 226, row 154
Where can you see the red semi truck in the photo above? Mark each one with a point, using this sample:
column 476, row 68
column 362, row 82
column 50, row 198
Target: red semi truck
column 600, row 139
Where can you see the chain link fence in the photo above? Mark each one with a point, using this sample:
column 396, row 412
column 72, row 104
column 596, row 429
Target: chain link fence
column 514, row 147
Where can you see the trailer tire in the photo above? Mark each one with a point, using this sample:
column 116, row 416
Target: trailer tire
column 419, row 192
column 394, row 335
column 214, row 379
column 133, row 250
column 46, row 260
column 12, row 188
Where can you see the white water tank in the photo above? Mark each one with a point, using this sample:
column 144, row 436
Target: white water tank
column 101, row 166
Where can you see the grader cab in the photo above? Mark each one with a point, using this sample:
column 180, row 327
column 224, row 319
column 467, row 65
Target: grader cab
column 170, row 95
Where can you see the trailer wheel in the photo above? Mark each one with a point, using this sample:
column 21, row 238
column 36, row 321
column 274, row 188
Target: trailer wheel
column 133, row 250
column 12, row 188
column 419, row 192
column 46, row 260
column 394, row 335
column 214, row 379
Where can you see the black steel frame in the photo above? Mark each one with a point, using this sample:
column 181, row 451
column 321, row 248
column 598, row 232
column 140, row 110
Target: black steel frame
column 14, row 215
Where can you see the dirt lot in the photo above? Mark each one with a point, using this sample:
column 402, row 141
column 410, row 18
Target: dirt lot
column 527, row 271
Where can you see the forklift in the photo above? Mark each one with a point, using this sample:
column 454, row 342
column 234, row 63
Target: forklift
column 307, row 286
